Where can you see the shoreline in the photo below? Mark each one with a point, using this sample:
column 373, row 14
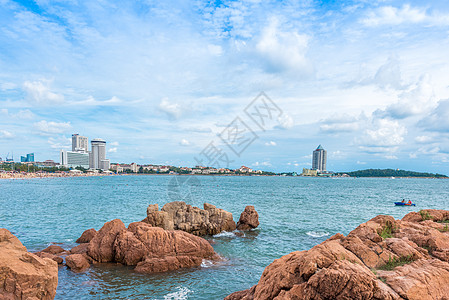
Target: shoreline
column 25, row 175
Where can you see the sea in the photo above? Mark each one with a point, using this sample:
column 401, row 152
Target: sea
column 295, row 213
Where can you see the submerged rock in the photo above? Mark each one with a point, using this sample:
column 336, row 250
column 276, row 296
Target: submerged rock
column 178, row 215
column 24, row 275
column 383, row 258
column 249, row 219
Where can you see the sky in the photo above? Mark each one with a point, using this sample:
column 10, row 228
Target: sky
column 161, row 81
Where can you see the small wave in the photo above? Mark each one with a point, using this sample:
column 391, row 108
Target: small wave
column 224, row 234
column 317, row 234
column 181, row 294
column 206, row 263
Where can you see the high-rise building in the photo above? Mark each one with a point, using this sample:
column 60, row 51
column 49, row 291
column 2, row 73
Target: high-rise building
column 73, row 159
column 97, row 156
column 79, row 143
column 28, row 158
column 319, row 159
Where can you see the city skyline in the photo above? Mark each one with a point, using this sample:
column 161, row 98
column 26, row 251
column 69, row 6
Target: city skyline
column 365, row 79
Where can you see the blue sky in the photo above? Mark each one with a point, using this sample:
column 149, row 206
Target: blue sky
column 158, row 80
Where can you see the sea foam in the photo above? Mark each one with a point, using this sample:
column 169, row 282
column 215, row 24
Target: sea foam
column 317, row 234
column 181, row 294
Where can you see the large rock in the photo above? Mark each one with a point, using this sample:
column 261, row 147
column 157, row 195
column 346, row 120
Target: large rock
column 180, row 216
column 86, row 236
column 380, row 259
column 150, row 249
column 24, row 275
column 249, row 219
column 101, row 247
column 77, row 262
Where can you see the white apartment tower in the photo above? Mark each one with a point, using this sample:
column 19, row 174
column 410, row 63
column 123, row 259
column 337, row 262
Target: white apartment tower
column 97, row 157
column 319, row 159
column 79, row 143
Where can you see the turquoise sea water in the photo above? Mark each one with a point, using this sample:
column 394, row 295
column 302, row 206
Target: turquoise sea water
column 294, row 213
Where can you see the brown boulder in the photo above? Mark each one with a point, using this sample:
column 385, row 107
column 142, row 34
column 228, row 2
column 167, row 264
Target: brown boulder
column 249, row 219
column 86, row 236
column 353, row 267
column 77, row 262
column 101, row 247
column 178, row 215
column 54, row 249
column 24, row 275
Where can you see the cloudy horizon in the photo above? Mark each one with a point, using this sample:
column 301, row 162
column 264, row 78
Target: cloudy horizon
column 159, row 80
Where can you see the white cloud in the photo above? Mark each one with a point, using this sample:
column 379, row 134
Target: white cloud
column 184, row 142
column 39, row 92
column 423, row 139
column 283, row 51
column 4, row 134
column 285, row 121
column 419, row 99
column 173, row 110
column 260, row 164
column 385, row 133
column 270, row 143
column 389, row 15
column 112, row 150
column 52, row 127
column 361, row 162
column 60, row 142
column 114, row 143
column 393, row 16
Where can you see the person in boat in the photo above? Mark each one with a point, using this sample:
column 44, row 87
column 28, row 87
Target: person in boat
column 409, row 202
column 403, row 201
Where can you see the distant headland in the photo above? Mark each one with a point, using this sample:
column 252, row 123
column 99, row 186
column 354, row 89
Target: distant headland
column 388, row 173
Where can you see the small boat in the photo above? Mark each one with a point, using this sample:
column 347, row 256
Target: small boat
column 404, row 204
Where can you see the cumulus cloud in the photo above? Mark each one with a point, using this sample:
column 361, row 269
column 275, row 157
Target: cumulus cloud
column 419, row 99
column 39, row 92
column 285, row 122
column 112, row 150
column 283, row 51
column 52, row 127
column 173, row 110
column 270, row 143
column 114, row 143
column 382, row 136
column 438, row 119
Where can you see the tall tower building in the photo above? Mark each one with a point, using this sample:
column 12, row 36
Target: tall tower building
column 319, row 159
column 97, row 157
column 79, row 143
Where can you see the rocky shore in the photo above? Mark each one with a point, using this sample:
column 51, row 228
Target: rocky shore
column 24, row 275
column 383, row 258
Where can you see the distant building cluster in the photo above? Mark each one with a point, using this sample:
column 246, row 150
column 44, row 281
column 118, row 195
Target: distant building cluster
column 80, row 156
column 28, row 158
column 200, row 170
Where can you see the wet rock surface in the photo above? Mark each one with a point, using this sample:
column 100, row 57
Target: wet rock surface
column 383, row 258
